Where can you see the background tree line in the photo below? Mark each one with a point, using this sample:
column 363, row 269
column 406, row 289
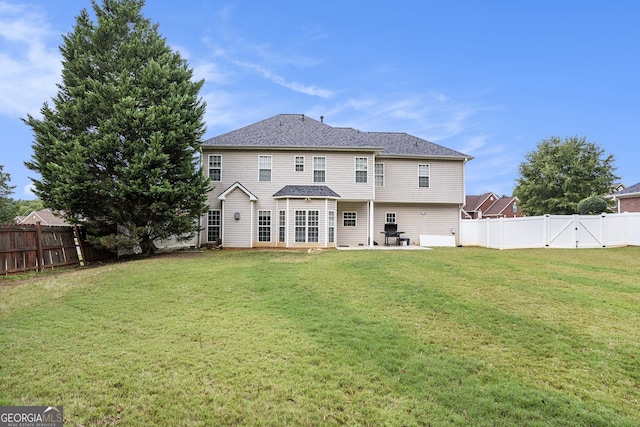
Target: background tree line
column 10, row 208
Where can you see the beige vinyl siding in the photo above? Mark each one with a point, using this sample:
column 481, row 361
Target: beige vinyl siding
column 446, row 181
column 353, row 236
column 401, row 194
column 414, row 220
column 242, row 166
column 237, row 233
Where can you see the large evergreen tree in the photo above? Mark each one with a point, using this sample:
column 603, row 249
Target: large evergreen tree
column 560, row 173
column 8, row 208
column 119, row 145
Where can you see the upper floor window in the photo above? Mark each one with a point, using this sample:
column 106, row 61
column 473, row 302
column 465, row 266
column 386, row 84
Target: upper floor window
column 215, row 167
column 514, row 208
column 264, row 164
column 423, row 176
column 361, row 169
column 299, row 164
column 379, row 171
column 319, row 169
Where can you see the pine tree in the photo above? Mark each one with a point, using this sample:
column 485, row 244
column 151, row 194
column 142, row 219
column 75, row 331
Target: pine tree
column 119, row 145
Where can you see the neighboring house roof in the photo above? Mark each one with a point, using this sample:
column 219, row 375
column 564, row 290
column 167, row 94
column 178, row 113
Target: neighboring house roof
column 619, row 186
column 499, row 206
column 306, row 191
column 631, row 191
column 300, row 131
column 473, row 203
column 45, row 216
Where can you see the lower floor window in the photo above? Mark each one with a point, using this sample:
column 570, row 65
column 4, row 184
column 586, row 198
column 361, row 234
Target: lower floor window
column 264, row 226
column 349, row 219
column 306, row 226
column 331, row 226
column 213, row 225
column 282, row 222
column 390, row 217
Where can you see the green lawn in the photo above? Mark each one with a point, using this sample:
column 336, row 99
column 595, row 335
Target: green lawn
column 455, row 336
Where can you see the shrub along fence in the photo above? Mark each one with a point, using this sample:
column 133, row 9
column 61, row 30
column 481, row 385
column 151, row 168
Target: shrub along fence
column 36, row 247
column 553, row 231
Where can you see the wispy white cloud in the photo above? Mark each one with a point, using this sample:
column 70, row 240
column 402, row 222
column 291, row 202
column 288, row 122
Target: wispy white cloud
column 432, row 117
column 473, row 144
column 29, row 59
column 233, row 51
column 310, row 90
column 28, row 190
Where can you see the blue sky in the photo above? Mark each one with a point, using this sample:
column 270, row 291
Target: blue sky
column 487, row 78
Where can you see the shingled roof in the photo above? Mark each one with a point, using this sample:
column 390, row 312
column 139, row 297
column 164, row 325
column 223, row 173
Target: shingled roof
column 300, row 131
column 44, row 216
column 403, row 144
column 632, row 190
column 306, row 191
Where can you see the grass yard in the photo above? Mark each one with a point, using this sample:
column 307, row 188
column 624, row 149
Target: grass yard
column 455, row 336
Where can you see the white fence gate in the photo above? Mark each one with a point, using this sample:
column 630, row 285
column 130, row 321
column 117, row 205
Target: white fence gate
column 553, row 231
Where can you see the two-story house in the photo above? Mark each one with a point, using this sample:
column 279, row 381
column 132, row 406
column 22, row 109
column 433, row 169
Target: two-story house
column 294, row 182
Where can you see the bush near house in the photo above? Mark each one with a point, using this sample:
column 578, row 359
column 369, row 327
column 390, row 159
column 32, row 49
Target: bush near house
column 592, row 205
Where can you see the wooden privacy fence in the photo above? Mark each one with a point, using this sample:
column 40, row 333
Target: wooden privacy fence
column 35, row 247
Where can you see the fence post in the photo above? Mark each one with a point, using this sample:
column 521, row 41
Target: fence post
column 545, row 228
column 79, row 244
column 40, row 255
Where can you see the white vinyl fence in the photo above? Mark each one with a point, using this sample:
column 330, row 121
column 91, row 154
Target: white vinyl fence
column 553, row 231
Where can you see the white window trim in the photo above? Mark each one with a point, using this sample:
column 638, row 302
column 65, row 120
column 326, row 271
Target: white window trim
column 386, row 217
column 261, row 156
column 324, row 169
column 331, row 225
column 428, row 175
column 270, row 225
column 356, row 170
column 295, row 163
column 282, row 227
column 307, row 225
column 376, row 175
column 209, row 166
column 218, row 226
column 355, row 218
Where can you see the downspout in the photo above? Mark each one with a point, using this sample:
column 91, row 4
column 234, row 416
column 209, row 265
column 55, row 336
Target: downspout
column 464, row 197
column 372, row 204
column 371, row 223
